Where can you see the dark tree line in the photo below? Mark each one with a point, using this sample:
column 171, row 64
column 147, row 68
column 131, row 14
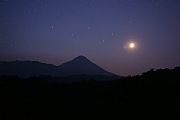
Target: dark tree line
column 152, row 95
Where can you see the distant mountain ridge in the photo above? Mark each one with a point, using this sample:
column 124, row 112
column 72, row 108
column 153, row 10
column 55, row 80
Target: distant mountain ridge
column 78, row 66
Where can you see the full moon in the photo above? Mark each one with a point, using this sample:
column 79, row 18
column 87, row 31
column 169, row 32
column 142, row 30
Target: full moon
column 132, row 45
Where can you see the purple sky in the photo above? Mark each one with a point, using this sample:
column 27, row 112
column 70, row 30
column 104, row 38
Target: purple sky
column 55, row 31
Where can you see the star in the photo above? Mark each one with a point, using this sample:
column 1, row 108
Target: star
column 52, row 27
column 89, row 28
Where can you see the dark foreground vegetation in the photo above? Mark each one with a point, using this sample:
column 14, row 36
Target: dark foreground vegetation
column 152, row 95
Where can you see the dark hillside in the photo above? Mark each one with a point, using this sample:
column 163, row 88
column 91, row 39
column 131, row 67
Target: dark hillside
column 152, row 95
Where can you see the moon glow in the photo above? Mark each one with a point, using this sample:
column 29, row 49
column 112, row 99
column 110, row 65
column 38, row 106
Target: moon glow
column 132, row 45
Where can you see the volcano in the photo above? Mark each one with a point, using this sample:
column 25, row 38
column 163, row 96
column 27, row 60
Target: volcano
column 78, row 66
column 81, row 66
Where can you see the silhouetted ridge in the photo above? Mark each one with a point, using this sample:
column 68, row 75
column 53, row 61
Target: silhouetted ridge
column 148, row 96
column 81, row 66
column 78, row 66
column 81, row 58
column 26, row 68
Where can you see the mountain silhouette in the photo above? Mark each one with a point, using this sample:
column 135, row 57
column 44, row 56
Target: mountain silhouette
column 26, row 68
column 81, row 65
column 78, row 66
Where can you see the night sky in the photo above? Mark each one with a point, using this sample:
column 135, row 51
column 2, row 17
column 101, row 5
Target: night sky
column 56, row 31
